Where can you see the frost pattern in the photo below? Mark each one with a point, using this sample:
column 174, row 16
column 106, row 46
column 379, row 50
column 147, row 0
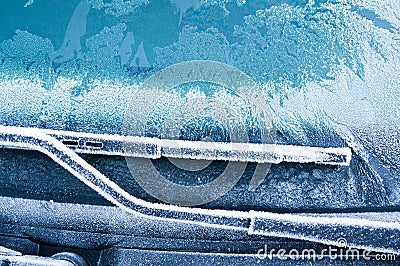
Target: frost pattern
column 292, row 45
column 193, row 45
column 26, row 47
column 118, row 7
column 104, row 47
column 386, row 14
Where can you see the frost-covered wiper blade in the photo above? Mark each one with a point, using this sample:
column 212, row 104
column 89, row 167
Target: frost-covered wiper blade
column 155, row 148
column 252, row 222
